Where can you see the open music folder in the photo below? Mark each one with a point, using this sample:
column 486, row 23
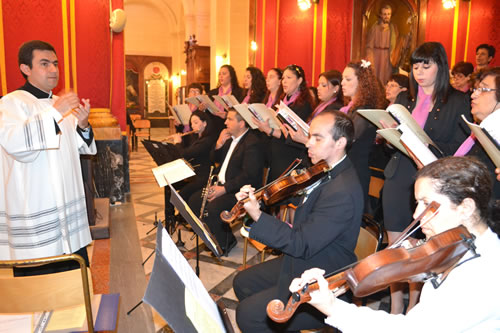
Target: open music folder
column 178, row 295
column 290, row 118
column 487, row 140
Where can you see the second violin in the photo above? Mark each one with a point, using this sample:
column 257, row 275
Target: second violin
column 280, row 189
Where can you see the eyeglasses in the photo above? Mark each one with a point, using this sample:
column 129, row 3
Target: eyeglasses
column 481, row 90
column 392, row 85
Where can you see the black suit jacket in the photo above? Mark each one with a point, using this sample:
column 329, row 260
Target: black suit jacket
column 198, row 153
column 246, row 164
column 325, row 228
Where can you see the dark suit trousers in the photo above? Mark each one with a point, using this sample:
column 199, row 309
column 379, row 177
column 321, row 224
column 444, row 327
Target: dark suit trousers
column 258, row 285
column 218, row 228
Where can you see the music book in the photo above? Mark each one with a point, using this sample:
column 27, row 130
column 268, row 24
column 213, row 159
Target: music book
column 193, row 100
column 287, row 116
column 486, row 140
column 259, row 111
column 396, row 113
column 182, row 113
column 417, row 150
column 392, row 136
column 230, row 100
column 219, row 99
column 212, row 108
column 173, row 172
column 263, row 113
column 177, row 294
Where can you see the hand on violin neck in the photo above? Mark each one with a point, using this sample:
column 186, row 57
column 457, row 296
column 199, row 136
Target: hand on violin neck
column 251, row 205
column 322, row 298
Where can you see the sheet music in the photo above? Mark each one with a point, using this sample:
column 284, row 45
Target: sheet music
column 221, row 102
column 230, row 100
column 172, row 172
column 208, row 103
column 265, row 113
column 392, row 136
column 375, row 116
column 183, row 113
column 490, row 147
column 200, row 307
column 417, row 147
column 193, row 100
column 242, row 109
column 292, row 118
column 16, row 323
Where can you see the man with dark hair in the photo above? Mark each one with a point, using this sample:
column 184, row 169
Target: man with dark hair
column 43, row 211
column 381, row 43
column 484, row 55
column 239, row 153
column 324, row 231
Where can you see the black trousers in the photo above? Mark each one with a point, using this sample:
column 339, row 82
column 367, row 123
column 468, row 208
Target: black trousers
column 258, row 285
column 221, row 230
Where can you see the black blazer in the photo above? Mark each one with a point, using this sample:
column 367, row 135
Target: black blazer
column 364, row 139
column 444, row 125
column 284, row 151
column 246, row 165
column 479, row 153
column 325, row 228
column 198, row 153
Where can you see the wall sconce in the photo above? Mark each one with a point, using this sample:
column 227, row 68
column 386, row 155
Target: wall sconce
column 183, row 72
column 306, row 4
column 253, row 46
column 449, row 4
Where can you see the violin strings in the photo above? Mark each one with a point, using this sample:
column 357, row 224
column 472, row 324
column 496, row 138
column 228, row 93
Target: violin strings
column 405, row 237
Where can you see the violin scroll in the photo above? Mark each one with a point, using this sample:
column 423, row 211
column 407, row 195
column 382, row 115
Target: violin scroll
column 277, row 311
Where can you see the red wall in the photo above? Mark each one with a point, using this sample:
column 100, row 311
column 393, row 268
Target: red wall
column 295, row 32
column 43, row 19
column 295, row 29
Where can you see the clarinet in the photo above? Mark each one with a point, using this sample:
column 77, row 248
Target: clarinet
column 212, row 180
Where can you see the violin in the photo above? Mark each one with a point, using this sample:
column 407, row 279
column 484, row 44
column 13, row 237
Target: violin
column 437, row 256
column 280, row 189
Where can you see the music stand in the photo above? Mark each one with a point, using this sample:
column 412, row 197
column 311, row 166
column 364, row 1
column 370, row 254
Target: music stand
column 199, row 228
column 162, row 153
column 179, row 296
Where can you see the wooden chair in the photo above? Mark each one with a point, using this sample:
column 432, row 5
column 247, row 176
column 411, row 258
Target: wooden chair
column 142, row 129
column 367, row 244
column 46, row 292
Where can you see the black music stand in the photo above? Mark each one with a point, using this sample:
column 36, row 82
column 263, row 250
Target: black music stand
column 200, row 228
column 179, row 296
column 162, row 153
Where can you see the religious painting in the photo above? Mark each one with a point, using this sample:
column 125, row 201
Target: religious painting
column 132, row 90
column 385, row 32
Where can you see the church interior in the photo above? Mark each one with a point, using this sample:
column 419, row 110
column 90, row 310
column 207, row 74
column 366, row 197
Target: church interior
column 134, row 60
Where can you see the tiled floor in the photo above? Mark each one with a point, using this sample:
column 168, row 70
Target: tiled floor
column 217, row 276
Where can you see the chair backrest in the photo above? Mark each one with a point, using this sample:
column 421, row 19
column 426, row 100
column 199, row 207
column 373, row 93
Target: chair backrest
column 134, row 117
column 46, row 292
column 142, row 123
column 367, row 244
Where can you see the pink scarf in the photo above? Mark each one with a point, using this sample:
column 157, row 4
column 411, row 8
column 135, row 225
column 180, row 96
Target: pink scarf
column 222, row 93
column 292, row 98
column 320, row 108
column 270, row 101
column 423, row 107
column 466, row 146
column 345, row 109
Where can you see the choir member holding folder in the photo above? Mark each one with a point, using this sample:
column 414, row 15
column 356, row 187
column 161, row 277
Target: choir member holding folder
column 485, row 109
column 228, row 85
column 437, row 108
column 283, row 150
column 366, row 92
column 330, row 98
column 274, row 87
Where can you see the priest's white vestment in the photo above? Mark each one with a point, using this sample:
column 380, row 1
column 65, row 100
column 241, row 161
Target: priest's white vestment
column 42, row 204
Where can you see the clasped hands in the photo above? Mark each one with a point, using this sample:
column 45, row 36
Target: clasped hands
column 69, row 103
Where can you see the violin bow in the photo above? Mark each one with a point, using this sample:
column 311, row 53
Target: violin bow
column 433, row 207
